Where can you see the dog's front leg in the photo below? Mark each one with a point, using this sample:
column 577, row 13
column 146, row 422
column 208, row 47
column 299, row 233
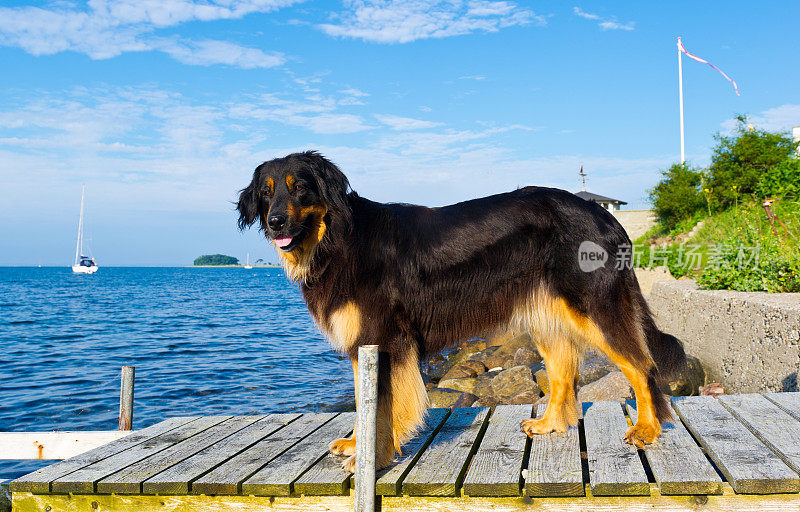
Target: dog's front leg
column 347, row 445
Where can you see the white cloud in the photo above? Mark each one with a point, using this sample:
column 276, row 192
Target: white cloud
column 777, row 119
column 403, row 21
column 108, row 28
column 404, row 123
column 609, row 23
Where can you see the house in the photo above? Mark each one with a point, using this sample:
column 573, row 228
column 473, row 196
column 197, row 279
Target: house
column 609, row 204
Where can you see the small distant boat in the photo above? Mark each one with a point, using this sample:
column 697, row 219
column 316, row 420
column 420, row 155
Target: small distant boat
column 83, row 264
column 247, row 264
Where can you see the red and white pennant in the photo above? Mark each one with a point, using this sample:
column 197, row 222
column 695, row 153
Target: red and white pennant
column 698, row 59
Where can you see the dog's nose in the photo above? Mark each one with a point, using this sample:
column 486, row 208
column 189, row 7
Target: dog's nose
column 276, row 222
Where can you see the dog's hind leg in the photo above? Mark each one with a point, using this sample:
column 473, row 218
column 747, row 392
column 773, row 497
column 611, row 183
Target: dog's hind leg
column 402, row 403
column 561, row 360
column 347, row 445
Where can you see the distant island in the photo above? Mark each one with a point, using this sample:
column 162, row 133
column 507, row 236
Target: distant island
column 215, row 260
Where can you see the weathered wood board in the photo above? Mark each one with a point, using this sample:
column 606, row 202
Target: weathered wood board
column 277, row 477
column 228, row 476
column 84, row 479
column 678, row 464
column 789, row 402
column 554, row 464
column 441, row 467
column 614, row 465
column 496, row 468
column 40, row 481
column 176, row 480
column 129, row 480
column 748, row 465
column 389, row 480
column 771, row 425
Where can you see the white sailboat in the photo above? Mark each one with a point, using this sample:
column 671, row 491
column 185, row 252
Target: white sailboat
column 83, row 264
column 247, row 264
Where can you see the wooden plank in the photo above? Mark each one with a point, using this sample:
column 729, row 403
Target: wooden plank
column 54, row 445
column 176, row 479
column 40, row 480
column 678, row 464
column 748, row 465
column 554, row 464
column 228, row 476
column 277, row 477
column 325, row 478
column 129, row 480
column 391, row 478
column 441, row 468
column 771, row 425
column 496, row 468
column 614, row 465
column 789, row 402
column 84, row 479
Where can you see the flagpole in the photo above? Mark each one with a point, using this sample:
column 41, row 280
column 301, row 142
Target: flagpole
column 680, row 100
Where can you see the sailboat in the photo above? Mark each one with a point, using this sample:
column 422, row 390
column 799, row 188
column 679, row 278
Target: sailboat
column 247, row 264
column 83, row 264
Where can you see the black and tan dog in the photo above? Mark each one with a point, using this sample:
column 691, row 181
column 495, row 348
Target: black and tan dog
column 415, row 280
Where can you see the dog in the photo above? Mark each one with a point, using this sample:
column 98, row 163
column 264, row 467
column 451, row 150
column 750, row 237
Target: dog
column 415, row 280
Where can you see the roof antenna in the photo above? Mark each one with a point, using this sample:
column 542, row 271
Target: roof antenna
column 583, row 178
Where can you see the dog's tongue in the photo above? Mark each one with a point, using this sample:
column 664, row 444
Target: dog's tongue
column 283, row 242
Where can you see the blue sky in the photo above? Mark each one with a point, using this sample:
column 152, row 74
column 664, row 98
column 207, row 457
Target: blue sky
column 163, row 107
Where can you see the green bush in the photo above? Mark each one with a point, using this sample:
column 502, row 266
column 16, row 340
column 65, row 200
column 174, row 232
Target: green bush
column 772, row 271
column 216, row 259
column 739, row 162
column 677, row 196
column 781, row 180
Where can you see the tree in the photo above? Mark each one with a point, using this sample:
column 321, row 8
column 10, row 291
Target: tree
column 216, row 259
column 740, row 162
column 677, row 196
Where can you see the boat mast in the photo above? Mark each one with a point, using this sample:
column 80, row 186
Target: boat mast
column 79, row 243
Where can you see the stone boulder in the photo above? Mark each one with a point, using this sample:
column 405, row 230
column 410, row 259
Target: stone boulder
column 438, row 397
column 613, row 386
column 542, row 380
column 595, row 366
column 504, row 361
column 524, row 356
column 483, row 355
column 514, row 381
column 465, row 400
column 511, row 346
column 463, row 384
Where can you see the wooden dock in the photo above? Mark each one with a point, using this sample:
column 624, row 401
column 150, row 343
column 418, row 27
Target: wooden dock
column 738, row 451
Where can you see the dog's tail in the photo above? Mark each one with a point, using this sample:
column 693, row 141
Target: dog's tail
column 668, row 355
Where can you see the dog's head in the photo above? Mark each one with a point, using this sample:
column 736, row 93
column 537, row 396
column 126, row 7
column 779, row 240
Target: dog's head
column 297, row 199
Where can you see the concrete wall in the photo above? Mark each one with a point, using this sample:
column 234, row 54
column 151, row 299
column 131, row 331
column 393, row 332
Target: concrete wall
column 748, row 341
column 635, row 222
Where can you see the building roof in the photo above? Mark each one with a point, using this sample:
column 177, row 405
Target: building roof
column 597, row 198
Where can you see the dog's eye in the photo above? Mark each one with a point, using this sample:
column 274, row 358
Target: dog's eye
column 299, row 188
column 268, row 192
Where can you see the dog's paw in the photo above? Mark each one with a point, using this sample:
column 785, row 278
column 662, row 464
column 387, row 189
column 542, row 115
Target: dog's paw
column 542, row 425
column 349, row 464
column 345, row 446
column 642, row 434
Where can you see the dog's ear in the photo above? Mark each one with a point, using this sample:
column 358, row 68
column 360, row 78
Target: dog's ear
column 331, row 183
column 249, row 199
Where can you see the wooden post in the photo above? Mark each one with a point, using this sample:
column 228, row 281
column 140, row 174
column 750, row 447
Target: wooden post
column 366, row 428
column 126, row 398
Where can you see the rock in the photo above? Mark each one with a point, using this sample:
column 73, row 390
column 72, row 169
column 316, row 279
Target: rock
column 500, row 337
column 483, row 388
column 595, row 366
column 527, row 357
column 687, row 381
column 482, row 355
column 499, row 361
column 438, row 397
column 477, row 366
column 487, row 401
column 454, row 359
column 473, row 345
column 541, row 401
column 528, row 397
column 465, row 400
column 613, row 386
column 542, row 380
column 459, row 371
column 510, row 347
column 464, row 384
column 429, row 386
column 488, row 375
column 714, row 389
column 513, row 381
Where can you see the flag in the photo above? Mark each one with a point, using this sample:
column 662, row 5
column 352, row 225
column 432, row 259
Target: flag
column 698, row 59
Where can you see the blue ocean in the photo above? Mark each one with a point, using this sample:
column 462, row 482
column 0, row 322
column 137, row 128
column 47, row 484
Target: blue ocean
column 203, row 340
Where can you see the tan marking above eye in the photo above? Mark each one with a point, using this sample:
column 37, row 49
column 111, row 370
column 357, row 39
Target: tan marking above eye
column 290, row 182
column 270, row 187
